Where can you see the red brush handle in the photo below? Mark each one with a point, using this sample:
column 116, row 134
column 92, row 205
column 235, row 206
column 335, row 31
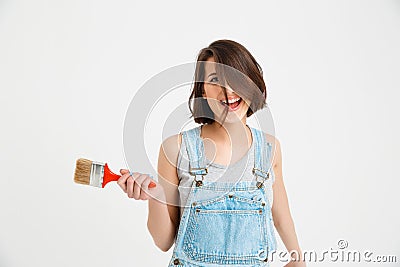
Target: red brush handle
column 109, row 176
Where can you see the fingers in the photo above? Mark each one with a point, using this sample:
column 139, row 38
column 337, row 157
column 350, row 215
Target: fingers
column 145, row 186
column 122, row 180
column 130, row 183
column 123, row 171
column 138, row 184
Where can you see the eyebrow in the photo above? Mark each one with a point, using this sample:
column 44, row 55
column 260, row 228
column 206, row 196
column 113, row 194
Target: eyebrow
column 213, row 73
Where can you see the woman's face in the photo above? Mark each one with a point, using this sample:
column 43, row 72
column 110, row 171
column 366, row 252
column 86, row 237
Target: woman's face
column 237, row 107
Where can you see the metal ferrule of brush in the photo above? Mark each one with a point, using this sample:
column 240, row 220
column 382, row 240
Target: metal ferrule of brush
column 97, row 174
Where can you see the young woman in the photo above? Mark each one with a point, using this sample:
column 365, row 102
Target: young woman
column 220, row 190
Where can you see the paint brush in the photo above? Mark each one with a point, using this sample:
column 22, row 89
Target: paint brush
column 94, row 173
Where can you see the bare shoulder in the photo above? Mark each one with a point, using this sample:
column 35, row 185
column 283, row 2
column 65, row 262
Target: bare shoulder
column 168, row 158
column 172, row 145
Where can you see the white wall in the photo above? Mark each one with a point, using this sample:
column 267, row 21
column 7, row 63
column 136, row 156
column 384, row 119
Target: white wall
column 69, row 69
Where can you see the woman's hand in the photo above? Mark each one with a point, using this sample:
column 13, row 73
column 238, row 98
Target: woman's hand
column 137, row 186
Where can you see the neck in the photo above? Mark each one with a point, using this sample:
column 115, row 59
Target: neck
column 231, row 140
column 236, row 133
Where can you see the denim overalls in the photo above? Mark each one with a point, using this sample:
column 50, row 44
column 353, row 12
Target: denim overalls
column 225, row 223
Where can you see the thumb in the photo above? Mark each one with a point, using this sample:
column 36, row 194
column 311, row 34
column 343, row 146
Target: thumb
column 123, row 171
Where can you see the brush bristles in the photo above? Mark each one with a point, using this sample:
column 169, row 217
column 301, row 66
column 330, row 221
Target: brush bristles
column 82, row 171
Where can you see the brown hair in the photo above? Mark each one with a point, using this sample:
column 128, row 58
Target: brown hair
column 235, row 55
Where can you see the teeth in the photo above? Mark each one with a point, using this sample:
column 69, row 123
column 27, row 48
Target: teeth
column 230, row 101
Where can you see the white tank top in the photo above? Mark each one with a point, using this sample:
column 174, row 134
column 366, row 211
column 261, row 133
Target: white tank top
column 240, row 170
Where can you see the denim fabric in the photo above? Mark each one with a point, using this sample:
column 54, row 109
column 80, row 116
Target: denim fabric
column 225, row 223
column 241, row 170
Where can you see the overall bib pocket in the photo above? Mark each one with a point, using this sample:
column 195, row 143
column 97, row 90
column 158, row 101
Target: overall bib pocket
column 227, row 230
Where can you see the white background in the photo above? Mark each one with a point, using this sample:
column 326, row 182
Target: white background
column 69, row 69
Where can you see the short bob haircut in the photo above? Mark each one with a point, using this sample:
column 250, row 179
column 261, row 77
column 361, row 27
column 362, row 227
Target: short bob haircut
column 237, row 57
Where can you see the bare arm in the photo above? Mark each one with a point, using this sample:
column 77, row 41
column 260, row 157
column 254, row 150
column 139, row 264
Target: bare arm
column 280, row 209
column 163, row 218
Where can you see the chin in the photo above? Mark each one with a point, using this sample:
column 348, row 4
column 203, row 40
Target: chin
column 236, row 116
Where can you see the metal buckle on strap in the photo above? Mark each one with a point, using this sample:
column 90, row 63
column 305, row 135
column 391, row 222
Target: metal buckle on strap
column 259, row 184
column 197, row 171
column 261, row 173
column 198, row 182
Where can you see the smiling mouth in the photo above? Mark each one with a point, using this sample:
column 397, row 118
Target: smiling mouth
column 233, row 103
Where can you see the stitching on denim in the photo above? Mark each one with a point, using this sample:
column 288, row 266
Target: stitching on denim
column 228, row 212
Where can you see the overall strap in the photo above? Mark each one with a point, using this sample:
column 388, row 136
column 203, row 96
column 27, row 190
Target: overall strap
column 262, row 155
column 195, row 151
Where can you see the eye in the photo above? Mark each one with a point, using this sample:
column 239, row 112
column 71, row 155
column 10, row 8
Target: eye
column 214, row 79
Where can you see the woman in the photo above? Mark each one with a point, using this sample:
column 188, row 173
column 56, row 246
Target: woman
column 220, row 189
